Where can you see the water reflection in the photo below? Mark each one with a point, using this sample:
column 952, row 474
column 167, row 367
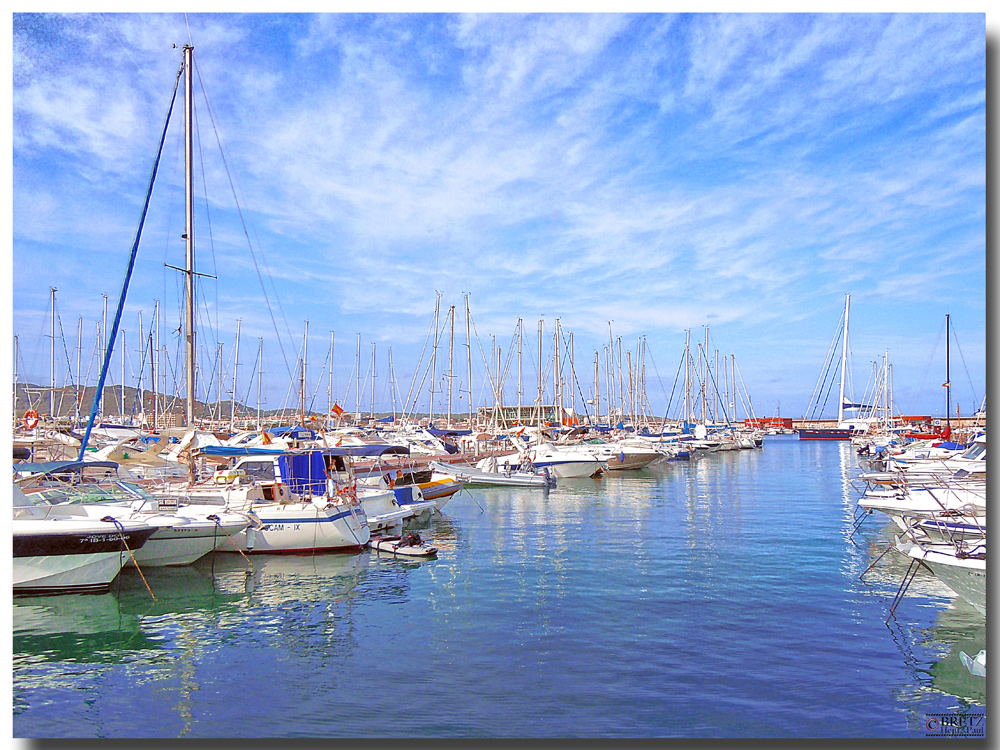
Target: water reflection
column 957, row 628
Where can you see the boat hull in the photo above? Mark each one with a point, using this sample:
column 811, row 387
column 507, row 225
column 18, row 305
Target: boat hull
column 829, row 433
column 303, row 527
column 63, row 556
column 966, row 577
column 183, row 543
column 474, row 476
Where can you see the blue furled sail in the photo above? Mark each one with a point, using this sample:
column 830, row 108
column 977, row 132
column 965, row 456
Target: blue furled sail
column 128, row 275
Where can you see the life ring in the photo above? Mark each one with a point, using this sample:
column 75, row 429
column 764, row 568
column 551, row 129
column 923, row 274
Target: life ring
column 31, row 419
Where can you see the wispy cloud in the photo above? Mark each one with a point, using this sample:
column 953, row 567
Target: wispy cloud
column 659, row 171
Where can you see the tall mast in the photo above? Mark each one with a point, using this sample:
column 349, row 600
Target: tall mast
column 392, row 387
column 557, row 376
column 79, row 372
column 520, row 334
column 947, row 371
column 156, row 388
column 329, row 392
column 236, row 364
column 373, row 382
column 357, row 385
column 597, row 387
column 538, row 415
column 468, row 339
column 572, row 374
column 122, row 386
column 260, row 372
column 434, row 349
column 703, row 360
column 631, row 389
column 219, row 395
column 610, row 371
column 52, row 353
column 302, row 376
column 138, row 382
column 621, row 384
column 451, row 360
column 687, row 376
column 607, row 380
column 14, row 411
column 152, row 378
column 189, row 357
column 843, row 361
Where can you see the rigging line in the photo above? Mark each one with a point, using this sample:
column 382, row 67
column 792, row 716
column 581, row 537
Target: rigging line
column 930, row 360
column 128, row 274
column 208, row 220
column 62, row 337
column 250, row 384
column 140, row 69
column 246, row 233
column 41, row 336
column 319, row 378
column 962, row 357
column 416, row 370
column 670, row 400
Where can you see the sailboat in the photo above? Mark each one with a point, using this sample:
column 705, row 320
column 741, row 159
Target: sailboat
column 844, row 428
column 305, row 521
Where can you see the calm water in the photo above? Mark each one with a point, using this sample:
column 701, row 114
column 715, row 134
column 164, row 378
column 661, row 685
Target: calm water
column 719, row 598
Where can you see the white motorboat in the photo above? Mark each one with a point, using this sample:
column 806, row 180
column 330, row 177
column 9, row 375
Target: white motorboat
column 563, row 462
column 488, row 473
column 295, row 507
column 960, row 568
column 69, row 555
column 94, row 490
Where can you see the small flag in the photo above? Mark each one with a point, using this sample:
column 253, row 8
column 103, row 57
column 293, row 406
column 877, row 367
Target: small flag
column 946, row 384
column 337, row 409
column 266, row 438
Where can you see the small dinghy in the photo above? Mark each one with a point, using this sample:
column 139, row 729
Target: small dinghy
column 406, row 545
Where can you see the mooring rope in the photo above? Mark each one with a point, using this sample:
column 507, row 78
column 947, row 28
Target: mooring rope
column 121, row 533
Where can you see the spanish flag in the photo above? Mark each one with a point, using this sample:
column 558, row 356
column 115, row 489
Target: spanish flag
column 337, row 409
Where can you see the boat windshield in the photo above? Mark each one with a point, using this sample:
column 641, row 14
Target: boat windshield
column 976, row 452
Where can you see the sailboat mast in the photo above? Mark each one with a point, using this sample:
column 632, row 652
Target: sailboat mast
column 843, row 362
column 302, row 375
column 260, row 372
column 189, row 237
column 947, row 371
column 538, row 414
column 609, row 371
column 357, row 384
column 597, row 387
column 156, row 364
column 52, row 353
column 14, row 411
column 79, row 373
column 152, row 378
column 236, row 364
column 451, row 359
column 468, row 340
column 329, row 392
column 392, row 386
column 687, row 376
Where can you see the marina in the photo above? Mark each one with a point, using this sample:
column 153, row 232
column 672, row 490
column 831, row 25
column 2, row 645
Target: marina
column 721, row 597
column 592, row 530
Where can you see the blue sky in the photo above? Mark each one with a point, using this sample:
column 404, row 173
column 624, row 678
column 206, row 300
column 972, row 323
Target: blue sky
column 649, row 173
